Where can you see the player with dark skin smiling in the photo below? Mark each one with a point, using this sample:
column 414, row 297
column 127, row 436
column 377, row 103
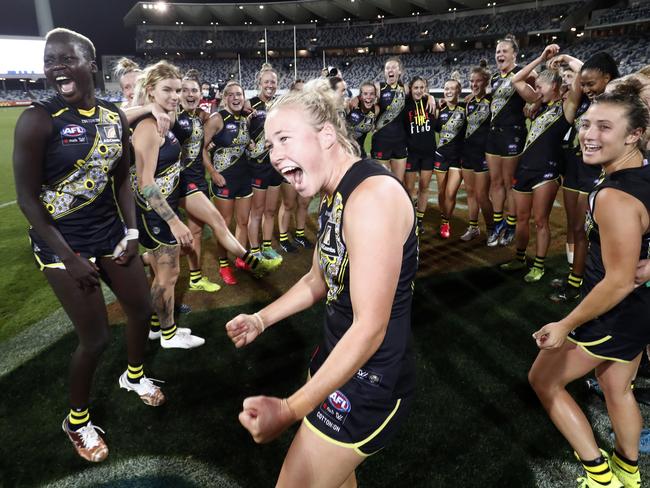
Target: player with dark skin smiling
column 71, row 171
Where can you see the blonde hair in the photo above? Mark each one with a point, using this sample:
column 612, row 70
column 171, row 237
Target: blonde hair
column 266, row 68
column 321, row 106
column 151, row 75
column 645, row 71
column 229, row 85
column 124, row 66
column 551, row 76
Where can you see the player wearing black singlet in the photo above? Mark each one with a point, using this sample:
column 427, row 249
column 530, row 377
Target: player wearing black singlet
column 591, row 79
column 362, row 376
column 389, row 137
column 193, row 190
column 473, row 163
column 450, row 125
column 362, row 118
column 421, row 144
column 537, row 176
column 266, row 181
column 71, row 171
column 155, row 179
column 383, row 387
column 505, row 140
column 609, row 329
column 230, row 171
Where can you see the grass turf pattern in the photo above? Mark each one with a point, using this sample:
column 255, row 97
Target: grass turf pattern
column 475, row 417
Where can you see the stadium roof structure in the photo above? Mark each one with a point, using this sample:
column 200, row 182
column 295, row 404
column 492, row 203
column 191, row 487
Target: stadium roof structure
column 247, row 12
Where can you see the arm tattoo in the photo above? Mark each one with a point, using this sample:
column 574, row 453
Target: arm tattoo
column 155, row 198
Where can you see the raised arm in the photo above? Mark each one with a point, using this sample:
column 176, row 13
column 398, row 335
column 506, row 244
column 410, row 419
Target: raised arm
column 146, row 143
column 574, row 97
column 31, row 136
column 163, row 120
column 519, row 81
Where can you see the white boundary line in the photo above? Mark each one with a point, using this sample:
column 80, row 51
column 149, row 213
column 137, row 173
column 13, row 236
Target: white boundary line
column 6, row 204
column 34, row 339
column 132, row 469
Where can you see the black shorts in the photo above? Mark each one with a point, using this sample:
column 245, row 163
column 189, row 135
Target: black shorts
column 444, row 163
column 385, row 149
column 570, row 179
column 351, row 418
column 588, row 176
column 605, row 346
column 527, row 180
column 415, row 162
column 154, row 231
column 238, row 182
column 473, row 161
column 94, row 249
column 192, row 180
column 264, row 175
column 506, row 142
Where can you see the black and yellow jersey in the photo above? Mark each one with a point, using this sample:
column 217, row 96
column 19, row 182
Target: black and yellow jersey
column 506, row 106
column 631, row 317
column 392, row 361
column 259, row 153
column 231, row 142
column 543, row 148
column 188, row 129
column 360, row 122
column 451, row 127
column 82, row 152
column 390, row 122
column 478, row 120
column 167, row 173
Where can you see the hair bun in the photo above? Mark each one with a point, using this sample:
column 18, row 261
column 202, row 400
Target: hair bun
column 631, row 87
column 124, row 66
column 192, row 74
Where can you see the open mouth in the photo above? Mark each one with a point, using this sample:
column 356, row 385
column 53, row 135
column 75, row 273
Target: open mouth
column 592, row 148
column 66, row 85
column 293, row 174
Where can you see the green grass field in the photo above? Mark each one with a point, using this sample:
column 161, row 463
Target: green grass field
column 26, row 298
column 476, row 422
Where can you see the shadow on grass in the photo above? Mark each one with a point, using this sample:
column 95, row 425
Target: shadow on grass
column 475, row 419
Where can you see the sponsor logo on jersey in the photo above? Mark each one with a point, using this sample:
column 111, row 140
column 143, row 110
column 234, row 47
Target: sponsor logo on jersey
column 328, row 240
column 109, row 133
column 73, row 134
column 184, row 122
column 231, row 126
column 369, row 377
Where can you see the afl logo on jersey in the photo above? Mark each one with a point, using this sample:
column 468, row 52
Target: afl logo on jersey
column 340, row 402
column 73, row 134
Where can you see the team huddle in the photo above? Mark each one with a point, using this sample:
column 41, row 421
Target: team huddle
column 96, row 182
